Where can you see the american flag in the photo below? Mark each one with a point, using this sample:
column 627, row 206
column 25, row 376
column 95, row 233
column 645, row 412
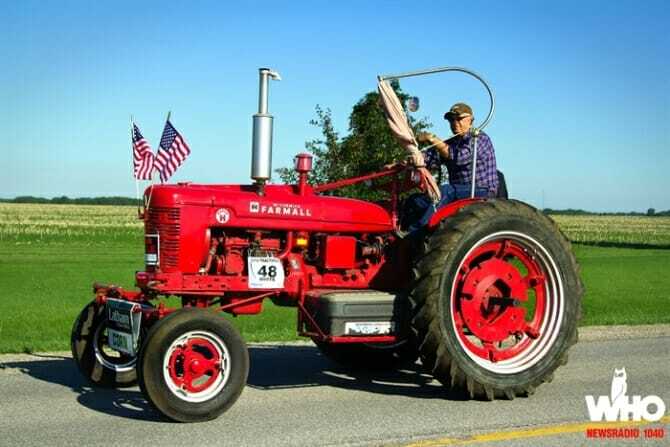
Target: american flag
column 172, row 152
column 143, row 157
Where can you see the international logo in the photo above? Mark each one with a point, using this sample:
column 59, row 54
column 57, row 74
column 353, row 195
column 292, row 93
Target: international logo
column 222, row 215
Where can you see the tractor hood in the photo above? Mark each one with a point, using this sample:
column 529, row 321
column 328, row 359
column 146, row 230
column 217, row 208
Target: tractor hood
column 279, row 208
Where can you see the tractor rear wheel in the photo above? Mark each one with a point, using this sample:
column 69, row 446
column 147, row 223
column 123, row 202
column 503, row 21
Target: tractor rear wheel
column 101, row 365
column 193, row 365
column 375, row 356
column 496, row 300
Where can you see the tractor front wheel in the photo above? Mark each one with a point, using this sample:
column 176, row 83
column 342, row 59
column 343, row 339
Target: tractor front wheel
column 496, row 300
column 101, row 365
column 193, row 365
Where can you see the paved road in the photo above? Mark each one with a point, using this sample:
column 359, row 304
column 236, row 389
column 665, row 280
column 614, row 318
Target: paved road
column 296, row 397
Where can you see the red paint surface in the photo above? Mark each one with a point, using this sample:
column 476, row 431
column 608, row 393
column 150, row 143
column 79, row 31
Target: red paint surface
column 488, row 300
column 202, row 258
column 340, row 252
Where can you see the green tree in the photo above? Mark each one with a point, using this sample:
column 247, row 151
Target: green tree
column 368, row 146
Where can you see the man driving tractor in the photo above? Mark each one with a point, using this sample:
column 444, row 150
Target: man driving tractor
column 456, row 154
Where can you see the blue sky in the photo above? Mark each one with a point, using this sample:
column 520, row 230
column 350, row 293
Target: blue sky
column 582, row 88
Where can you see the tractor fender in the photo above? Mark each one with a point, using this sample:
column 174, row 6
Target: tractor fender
column 449, row 210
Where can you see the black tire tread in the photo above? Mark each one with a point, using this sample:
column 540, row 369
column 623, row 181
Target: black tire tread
column 150, row 356
column 425, row 295
column 83, row 351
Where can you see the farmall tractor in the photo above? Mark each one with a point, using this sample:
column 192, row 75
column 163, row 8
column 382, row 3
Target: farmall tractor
column 486, row 295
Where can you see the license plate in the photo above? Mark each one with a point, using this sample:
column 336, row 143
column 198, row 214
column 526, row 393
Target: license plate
column 368, row 328
column 123, row 325
column 120, row 341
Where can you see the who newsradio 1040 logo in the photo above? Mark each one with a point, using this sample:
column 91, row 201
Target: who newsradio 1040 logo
column 621, row 407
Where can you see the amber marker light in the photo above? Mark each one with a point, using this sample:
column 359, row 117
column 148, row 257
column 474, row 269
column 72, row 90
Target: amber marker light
column 301, row 240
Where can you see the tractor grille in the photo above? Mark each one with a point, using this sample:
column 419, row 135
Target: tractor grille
column 165, row 223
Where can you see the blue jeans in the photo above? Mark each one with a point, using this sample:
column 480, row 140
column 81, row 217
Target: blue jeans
column 450, row 193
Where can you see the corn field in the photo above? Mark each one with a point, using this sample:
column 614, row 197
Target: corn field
column 36, row 223
column 95, row 224
column 616, row 230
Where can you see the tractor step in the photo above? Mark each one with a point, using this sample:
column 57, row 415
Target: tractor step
column 358, row 312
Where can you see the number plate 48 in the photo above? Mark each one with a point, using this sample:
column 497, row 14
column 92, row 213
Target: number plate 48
column 265, row 273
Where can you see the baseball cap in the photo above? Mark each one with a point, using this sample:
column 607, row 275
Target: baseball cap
column 458, row 110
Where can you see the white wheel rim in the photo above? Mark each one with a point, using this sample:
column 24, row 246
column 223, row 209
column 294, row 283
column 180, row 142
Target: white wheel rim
column 211, row 391
column 553, row 313
column 103, row 357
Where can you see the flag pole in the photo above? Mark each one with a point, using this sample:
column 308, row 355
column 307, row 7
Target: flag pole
column 167, row 120
column 147, row 202
column 151, row 191
column 132, row 160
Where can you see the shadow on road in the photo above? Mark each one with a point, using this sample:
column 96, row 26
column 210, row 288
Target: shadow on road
column 272, row 368
column 282, row 367
column 124, row 402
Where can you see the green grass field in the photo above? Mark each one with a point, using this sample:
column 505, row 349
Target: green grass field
column 51, row 255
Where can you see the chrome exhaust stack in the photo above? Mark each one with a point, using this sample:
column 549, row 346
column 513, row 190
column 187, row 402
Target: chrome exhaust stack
column 261, row 148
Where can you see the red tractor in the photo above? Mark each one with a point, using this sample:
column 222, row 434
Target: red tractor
column 487, row 295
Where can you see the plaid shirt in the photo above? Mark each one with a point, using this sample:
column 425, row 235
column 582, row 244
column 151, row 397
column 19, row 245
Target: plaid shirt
column 459, row 163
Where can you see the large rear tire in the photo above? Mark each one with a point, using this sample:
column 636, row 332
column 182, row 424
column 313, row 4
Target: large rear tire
column 101, row 365
column 193, row 365
column 496, row 300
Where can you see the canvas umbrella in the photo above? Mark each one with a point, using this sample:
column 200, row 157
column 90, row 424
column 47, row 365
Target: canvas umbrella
column 397, row 120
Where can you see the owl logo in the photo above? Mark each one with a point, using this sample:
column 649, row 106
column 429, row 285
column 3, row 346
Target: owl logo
column 619, row 385
column 619, row 406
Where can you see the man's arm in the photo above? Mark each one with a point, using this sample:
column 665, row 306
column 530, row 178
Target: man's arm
column 440, row 146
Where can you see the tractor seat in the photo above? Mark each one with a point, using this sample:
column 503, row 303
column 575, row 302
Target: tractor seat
column 502, row 187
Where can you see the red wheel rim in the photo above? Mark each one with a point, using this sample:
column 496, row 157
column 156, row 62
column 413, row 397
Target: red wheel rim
column 196, row 366
column 506, row 302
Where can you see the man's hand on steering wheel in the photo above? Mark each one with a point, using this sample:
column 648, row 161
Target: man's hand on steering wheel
column 441, row 146
column 425, row 137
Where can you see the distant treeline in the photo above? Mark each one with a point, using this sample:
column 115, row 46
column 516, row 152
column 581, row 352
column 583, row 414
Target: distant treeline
column 64, row 200
column 116, row 200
